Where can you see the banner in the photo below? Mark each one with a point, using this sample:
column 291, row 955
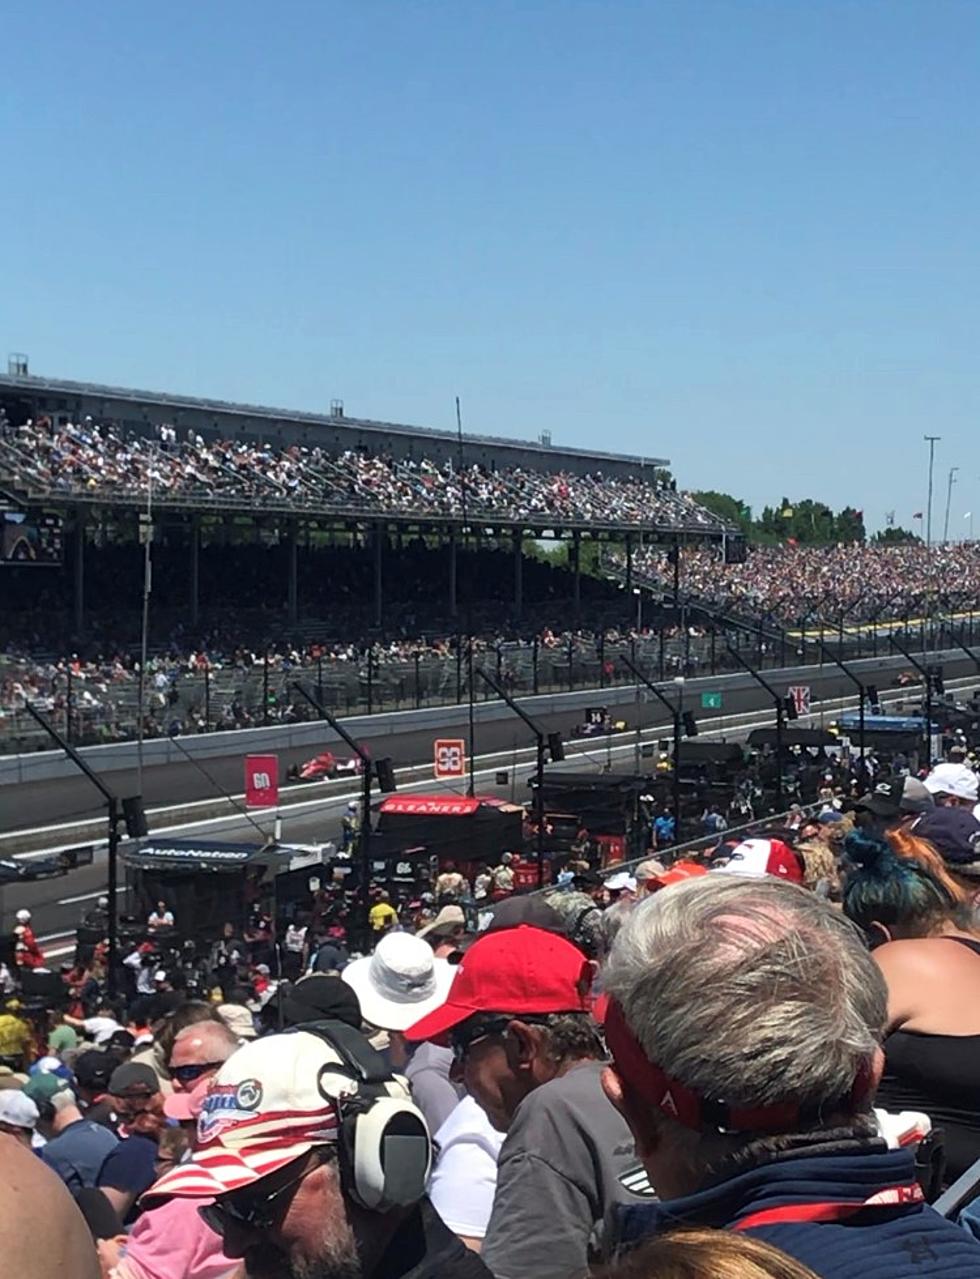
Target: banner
column 449, row 757
column 800, row 694
column 261, row 781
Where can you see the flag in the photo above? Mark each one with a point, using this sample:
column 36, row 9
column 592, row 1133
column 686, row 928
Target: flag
column 917, row 515
column 787, row 512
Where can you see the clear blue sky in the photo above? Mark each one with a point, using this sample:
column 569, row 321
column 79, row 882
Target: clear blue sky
column 743, row 234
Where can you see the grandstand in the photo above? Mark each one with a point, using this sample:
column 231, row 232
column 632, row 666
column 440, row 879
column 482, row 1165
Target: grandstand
column 90, row 459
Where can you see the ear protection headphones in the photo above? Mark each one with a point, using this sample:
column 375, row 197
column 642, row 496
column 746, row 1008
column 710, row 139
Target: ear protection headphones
column 385, row 1152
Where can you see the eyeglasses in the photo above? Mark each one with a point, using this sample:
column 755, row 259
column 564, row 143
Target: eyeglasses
column 187, row 1074
column 257, row 1212
column 463, row 1038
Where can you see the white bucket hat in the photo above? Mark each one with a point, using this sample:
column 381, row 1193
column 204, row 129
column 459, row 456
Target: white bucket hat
column 401, row 983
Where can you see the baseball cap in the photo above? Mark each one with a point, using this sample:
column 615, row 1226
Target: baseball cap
column 758, row 858
column 43, row 1088
column 648, row 870
column 17, row 1110
column 516, row 970
column 954, row 832
column 677, row 874
column 133, row 1079
column 533, row 911
column 93, row 1069
column 884, row 800
column 272, row 1101
column 622, row 881
column 953, row 779
column 400, row 983
column 320, row 997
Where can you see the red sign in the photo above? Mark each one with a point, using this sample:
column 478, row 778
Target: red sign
column 430, row 805
column 449, row 757
column 261, row 781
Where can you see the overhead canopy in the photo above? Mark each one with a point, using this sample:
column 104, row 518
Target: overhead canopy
column 202, row 854
column 793, row 737
column 709, row 752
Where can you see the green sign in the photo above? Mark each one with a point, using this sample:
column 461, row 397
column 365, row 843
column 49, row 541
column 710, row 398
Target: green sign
column 711, row 701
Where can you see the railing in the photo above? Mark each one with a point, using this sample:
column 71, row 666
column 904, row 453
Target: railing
column 102, row 704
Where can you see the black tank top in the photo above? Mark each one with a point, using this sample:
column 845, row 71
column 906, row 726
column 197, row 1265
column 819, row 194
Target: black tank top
column 939, row 1075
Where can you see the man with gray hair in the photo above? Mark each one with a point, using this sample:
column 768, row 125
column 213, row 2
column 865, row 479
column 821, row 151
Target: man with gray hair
column 744, row 1025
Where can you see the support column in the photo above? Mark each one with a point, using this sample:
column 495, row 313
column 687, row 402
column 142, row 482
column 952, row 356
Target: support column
column 518, row 574
column 379, row 533
column 293, row 588
column 78, row 599
column 629, row 564
column 194, row 532
column 576, row 573
column 452, row 572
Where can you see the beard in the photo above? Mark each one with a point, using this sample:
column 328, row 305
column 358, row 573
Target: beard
column 330, row 1257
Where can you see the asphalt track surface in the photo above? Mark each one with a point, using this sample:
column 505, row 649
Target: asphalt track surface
column 58, row 904
column 30, row 805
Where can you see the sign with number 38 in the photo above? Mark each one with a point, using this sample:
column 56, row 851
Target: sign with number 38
column 449, row 757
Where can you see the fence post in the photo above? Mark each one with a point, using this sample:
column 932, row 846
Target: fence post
column 500, row 660
column 265, row 688
column 663, row 655
column 601, row 648
column 370, row 682
column 571, row 661
column 207, row 699
column 534, row 664
column 319, row 680
column 418, row 684
column 713, row 645
column 68, row 696
column 459, row 669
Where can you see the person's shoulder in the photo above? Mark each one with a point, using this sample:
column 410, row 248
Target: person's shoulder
column 563, row 1100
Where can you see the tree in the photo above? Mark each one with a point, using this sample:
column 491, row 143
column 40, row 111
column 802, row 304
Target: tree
column 895, row 536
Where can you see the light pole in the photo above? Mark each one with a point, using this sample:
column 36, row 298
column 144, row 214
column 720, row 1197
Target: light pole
column 639, row 609
column 931, row 441
column 950, row 481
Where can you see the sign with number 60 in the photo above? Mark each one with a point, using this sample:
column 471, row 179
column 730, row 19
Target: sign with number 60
column 449, row 757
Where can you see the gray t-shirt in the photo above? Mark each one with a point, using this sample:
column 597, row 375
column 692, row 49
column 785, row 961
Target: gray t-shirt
column 558, row 1179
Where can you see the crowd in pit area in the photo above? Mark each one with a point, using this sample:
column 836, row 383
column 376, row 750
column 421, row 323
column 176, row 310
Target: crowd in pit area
column 865, row 580
column 92, row 457
column 763, row 1060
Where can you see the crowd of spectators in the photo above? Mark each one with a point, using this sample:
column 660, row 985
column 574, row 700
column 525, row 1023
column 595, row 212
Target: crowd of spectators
column 756, row 1061
column 787, row 582
column 100, row 458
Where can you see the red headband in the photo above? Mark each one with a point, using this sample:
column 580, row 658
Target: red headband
column 684, row 1105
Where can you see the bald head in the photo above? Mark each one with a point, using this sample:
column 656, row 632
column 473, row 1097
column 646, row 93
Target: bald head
column 34, row 1204
column 206, row 1043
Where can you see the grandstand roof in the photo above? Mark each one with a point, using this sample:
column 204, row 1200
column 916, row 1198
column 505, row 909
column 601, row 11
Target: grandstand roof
column 33, row 386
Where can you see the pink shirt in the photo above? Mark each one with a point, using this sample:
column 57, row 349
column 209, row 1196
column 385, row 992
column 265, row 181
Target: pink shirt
column 172, row 1242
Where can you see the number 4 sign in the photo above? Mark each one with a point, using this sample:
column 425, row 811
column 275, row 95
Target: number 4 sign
column 449, row 757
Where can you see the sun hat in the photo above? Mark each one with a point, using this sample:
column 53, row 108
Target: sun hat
column 238, row 1019
column 517, row 970
column 400, row 983
column 17, row 1110
column 271, row 1102
column 953, row 779
column 757, row 858
column 622, row 881
column 449, row 918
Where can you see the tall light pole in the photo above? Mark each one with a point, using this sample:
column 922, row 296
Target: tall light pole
column 931, row 441
column 950, row 481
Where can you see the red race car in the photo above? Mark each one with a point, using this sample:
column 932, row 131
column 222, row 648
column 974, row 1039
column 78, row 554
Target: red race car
column 323, row 767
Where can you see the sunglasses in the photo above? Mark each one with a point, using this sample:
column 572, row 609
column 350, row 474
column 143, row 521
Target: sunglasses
column 257, row 1212
column 187, row 1074
column 464, row 1037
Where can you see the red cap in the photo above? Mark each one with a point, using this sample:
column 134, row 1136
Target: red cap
column 517, row 970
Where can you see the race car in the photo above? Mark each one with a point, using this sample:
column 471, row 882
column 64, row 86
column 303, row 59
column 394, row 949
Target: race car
column 323, row 767
column 15, row 872
column 599, row 722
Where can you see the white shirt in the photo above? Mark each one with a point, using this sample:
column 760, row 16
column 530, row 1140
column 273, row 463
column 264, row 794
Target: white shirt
column 100, row 1029
column 156, row 920
column 464, row 1179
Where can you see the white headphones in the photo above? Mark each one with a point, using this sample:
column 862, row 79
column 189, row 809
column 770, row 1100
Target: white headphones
column 384, row 1144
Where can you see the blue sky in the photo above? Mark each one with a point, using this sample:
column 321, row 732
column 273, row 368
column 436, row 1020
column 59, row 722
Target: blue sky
column 740, row 233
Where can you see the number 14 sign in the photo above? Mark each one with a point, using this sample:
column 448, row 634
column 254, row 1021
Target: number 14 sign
column 449, row 757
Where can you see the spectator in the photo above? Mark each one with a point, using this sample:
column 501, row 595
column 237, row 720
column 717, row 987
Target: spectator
column 930, row 960
column 528, row 1052
column 42, row 1233
column 464, row 1177
column 15, row 1035
column 129, row 1168
column 161, row 917
column 18, row 1116
column 198, row 1053
column 744, row 1028
column 382, row 914
column 75, row 1147
column 306, row 1206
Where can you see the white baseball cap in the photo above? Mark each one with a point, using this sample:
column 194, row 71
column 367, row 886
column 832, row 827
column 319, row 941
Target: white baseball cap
column 17, row 1110
column 622, row 880
column 758, row 858
column 401, row 983
column 271, row 1102
column 953, row 779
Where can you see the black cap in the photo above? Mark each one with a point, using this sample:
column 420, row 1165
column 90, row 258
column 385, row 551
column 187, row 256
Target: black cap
column 321, row 997
column 885, row 800
column 514, row 911
column 954, row 832
column 133, row 1078
column 93, row 1069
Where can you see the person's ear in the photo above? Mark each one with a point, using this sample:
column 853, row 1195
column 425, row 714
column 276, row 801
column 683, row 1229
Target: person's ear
column 638, row 1117
column 522, row 1044
column 587, row 979
column 878, row 934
